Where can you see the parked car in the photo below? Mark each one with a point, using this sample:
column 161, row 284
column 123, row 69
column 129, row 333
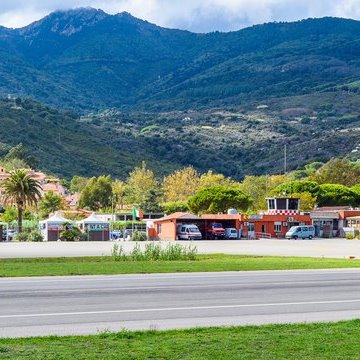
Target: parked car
column 116, row 234
column 231, row 233
column 11, row 234
column 303, row 232
column 188, row 232
column 216, row 231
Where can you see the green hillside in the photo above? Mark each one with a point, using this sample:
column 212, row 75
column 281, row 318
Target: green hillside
column 86, row 59
column 249, row 140
column 64, row 146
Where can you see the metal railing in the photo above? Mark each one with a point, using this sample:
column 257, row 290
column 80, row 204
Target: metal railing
column 261, row 235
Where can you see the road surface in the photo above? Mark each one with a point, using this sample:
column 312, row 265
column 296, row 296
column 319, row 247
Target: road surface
column 331, row 248
column 91, row 304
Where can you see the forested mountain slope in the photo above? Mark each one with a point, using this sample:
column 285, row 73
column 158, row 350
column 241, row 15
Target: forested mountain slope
column 87, row 59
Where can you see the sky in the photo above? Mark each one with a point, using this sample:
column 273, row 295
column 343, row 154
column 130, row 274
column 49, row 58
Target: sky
column 193, row 15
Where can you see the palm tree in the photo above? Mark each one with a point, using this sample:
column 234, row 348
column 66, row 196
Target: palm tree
column 50, row 203
column 20, row 190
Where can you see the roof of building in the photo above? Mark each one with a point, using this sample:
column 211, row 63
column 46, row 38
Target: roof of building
column 353, row 218
column 221, row 216
column 53, row 187
column 179, row 215
column 333, row 208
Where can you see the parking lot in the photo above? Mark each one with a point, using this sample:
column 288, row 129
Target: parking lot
column 332, row 248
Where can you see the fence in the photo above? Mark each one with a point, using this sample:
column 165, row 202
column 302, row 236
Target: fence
column 262, row 235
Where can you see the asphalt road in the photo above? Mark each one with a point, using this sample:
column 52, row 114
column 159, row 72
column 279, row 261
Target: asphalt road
column 91, row 304
column 332, row 248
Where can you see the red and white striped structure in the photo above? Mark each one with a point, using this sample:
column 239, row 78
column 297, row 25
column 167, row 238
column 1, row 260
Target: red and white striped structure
column 283, row 206
column 282, row 212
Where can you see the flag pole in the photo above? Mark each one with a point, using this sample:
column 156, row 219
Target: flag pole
column 132, row 225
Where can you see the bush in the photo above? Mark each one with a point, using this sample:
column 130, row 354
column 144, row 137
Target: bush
column 139, row 236
column 122, row 225
column 118, row 253
column 349, row 236
column 154, row 252
column 73, row 234
column 35, row 236
column 30, row 235
column 22, row 236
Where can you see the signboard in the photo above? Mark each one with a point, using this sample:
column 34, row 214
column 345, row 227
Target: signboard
column 256, row 217
column 54, row 227
column 97, row 227
column 324, row 215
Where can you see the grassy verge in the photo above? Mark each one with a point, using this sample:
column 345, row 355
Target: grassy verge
column 107, row 265
column 304, row 341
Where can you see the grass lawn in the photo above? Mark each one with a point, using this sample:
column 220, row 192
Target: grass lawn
column 107, row 265
column 301, row 341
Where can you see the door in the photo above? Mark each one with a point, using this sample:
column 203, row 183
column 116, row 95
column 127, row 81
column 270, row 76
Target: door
column 251, row 231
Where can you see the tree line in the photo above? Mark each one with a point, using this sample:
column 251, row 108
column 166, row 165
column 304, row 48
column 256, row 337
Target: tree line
column 335, row 183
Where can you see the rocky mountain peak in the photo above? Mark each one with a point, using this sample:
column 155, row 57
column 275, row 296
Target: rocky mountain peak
column 66, row 22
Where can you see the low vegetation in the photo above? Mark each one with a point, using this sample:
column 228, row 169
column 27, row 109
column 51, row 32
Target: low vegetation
column 270, row 342
column 203, row 263
column 154, row 252
column 33, row 235
column 139, row 236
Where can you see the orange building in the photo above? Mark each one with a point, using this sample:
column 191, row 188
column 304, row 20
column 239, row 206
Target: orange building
column 272, row 226
column 165, row 228
column 282, row 214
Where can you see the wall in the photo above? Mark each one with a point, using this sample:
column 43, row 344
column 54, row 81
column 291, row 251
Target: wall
column 168, row 230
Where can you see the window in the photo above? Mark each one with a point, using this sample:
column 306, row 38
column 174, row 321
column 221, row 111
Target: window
column 277, row 227
column 335, row 224
column 183, row 229
column 293, row 204
column 271, row 204
column 251, row 227
column 159, row 228
column 281, row 204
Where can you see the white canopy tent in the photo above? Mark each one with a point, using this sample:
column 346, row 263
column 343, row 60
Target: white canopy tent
column 95, row 227
column 52, row 227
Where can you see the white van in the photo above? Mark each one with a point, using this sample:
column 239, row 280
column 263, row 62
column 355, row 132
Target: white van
column 303, row 231
column 231, row 233
column 188, row 232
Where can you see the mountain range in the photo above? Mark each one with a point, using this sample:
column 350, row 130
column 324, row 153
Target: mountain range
column 86, row 59
column 113, row 90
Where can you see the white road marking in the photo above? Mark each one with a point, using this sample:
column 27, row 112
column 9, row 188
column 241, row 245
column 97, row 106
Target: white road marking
column 102, row 312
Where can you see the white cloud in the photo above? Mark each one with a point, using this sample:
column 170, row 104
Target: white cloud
column 195, row 15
